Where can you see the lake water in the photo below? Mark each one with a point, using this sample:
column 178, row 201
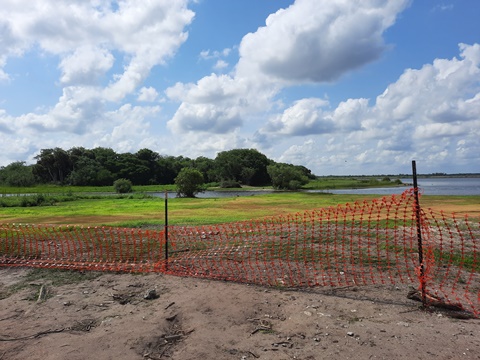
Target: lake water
column 427, row 186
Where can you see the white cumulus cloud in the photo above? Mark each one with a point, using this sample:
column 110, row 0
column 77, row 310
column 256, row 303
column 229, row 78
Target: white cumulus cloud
column 147, row 94
column 318, row 41
column 105, row 51
column 431, row 114
column 85, row 65
column 310, row 41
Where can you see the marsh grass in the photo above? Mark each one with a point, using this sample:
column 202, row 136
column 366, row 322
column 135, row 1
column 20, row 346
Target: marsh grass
column 58, row 189
column 138, row 210
column 333, row 182
column 41, row 199
column 143, row 210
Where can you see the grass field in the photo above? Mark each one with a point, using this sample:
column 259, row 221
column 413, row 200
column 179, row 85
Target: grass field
column 58, row 189
column 135, row 211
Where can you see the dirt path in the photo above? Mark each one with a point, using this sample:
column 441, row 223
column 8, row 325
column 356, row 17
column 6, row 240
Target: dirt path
column 108, row 317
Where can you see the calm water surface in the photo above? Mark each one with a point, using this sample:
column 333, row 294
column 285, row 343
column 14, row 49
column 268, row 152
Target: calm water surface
column 427, row 186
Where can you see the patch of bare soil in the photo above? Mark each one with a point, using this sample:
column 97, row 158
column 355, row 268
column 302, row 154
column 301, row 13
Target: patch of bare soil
column 125, row 316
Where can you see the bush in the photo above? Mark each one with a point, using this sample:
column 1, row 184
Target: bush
column 39, row 199
column 17, row 174
column 35, row 200
column 213, row 184
column 230, row 184
column 122, row 186
column 286, row 177
column 294, row 185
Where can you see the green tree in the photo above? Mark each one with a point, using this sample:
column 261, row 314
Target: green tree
column 78, row 153
column 87, row 169
column 207, row 167
column 286, row 176
column 88, row 172
column 53, row 166
column 122, row 186
column 305, row 171
column 17, row 174
column 132, row 168
column 169, row 167
column 189, row 182
column 247, row 166
column 149, row 159
column 108, row 160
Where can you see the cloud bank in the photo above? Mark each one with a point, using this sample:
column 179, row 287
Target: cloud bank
column 106, row 51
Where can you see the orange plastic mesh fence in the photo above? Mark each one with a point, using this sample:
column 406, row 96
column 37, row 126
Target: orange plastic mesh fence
column 85, row 248
column 370, row 242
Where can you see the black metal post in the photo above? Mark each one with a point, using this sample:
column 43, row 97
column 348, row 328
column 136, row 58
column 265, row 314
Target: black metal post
column 166, row 230
column 419, row 232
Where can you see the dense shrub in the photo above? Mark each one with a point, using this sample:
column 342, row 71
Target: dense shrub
column 17, row 174
column 36, row 200
column 122, row 186
column 230, row 184
column 286, row 177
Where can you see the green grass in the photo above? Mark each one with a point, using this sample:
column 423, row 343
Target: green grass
column 326, row 183
column 58, row 189
column 141, row 210
column 456, row 258
column 134, row 211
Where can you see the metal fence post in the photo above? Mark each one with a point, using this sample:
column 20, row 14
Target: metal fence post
column 166, row 230
column 419, row 233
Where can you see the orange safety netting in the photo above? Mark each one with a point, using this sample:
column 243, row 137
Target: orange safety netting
column 370, row 242
column 83, row 248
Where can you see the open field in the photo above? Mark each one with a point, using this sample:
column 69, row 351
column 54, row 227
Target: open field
column 149, row 211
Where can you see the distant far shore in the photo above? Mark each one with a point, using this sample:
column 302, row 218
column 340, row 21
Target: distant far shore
column 436, row 175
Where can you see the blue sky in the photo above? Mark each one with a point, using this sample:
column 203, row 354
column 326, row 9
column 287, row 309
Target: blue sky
column 342, row 87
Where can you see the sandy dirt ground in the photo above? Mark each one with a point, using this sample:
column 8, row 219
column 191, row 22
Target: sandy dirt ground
column 108, row 317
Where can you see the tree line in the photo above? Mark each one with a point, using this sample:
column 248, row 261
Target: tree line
column 103, row 166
